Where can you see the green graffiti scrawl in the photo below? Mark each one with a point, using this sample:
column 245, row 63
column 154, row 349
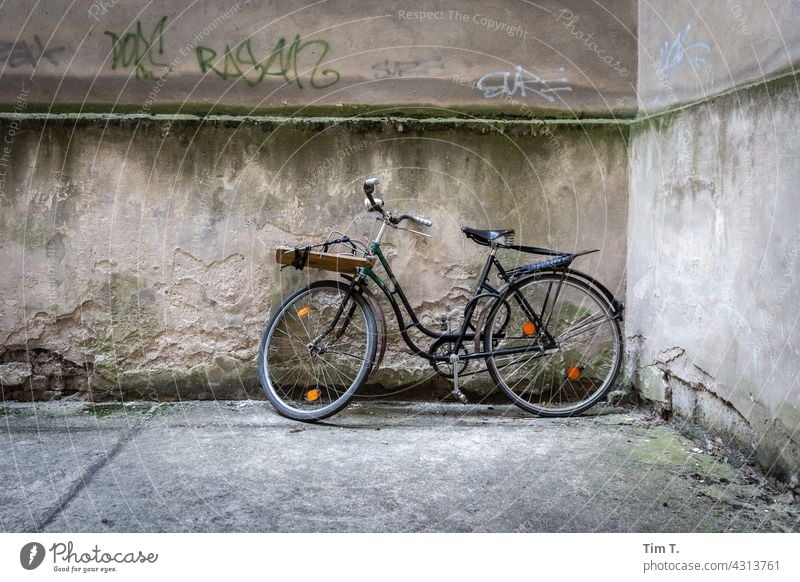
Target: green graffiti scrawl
column 138, row 50
column 284, row 61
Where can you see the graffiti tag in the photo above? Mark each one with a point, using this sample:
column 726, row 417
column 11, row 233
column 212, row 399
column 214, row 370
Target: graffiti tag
column 521, row 82
column 387, row 68
column 19, row 54
column 138, row 50
column 291, row 61
column 679, row 53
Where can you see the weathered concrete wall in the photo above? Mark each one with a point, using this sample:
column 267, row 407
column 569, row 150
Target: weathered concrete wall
column 140, row 254
column 562, row 57
column 691, row 49
column 714, row 268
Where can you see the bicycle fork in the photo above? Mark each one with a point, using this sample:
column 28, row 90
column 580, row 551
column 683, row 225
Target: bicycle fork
column 312, row 345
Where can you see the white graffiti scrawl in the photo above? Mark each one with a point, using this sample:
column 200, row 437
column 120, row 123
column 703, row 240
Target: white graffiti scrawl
column 521, row 82
column 679, row 53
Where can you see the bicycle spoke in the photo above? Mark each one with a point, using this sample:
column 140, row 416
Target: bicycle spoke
column 338, row 371
column 596, row 322
column 346, row 354
column 301, row 382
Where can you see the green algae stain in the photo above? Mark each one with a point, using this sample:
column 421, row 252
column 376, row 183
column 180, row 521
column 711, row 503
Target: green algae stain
column 664, row 448
column 128, row 328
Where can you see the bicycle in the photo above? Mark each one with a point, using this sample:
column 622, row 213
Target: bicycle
column 550, row 335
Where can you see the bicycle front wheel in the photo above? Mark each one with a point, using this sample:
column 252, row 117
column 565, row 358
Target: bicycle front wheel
column 563, row 345
column 316, row 351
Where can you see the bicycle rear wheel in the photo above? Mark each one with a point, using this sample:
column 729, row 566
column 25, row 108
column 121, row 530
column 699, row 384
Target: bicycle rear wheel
column 564, row 378
column 317, row 350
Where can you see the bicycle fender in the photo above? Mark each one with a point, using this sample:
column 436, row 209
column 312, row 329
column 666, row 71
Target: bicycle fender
column 380, row 324
column 617, row 306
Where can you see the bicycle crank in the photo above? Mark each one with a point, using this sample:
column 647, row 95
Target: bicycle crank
column 444, row 347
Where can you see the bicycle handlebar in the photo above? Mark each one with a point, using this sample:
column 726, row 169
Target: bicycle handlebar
column 369, row 185
column 376, row 204
column 369, row 190
column 417, row 219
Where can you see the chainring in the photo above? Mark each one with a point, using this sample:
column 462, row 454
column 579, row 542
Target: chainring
column 444, row 347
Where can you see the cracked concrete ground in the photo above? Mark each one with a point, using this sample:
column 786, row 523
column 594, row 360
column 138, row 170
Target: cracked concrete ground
column 402, row 467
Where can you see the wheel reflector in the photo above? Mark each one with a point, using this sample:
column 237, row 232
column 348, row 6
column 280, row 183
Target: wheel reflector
column 528, row 328
column 313, row 394
column 303, row 311
column 573, row 373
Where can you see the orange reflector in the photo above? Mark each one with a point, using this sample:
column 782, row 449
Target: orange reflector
column 302, row 312
column 528, row 328
column 573, row 373
column 313, row 394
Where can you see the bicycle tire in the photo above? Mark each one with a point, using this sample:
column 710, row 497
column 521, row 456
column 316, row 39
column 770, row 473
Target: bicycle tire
column 571, row 377
column 311, row 383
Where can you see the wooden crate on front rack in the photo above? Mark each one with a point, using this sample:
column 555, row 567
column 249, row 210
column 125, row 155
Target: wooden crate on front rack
column 302, row 258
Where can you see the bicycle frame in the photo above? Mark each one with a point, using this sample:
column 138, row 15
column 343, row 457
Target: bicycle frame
column 483, row 290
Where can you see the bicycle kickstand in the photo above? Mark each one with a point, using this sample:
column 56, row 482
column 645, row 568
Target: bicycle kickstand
column 454, row 361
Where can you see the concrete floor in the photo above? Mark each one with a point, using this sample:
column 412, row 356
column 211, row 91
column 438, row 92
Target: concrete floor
column 401, row 467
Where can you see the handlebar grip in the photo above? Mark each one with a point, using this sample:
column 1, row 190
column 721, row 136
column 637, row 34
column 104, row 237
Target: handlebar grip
column 369, row 186
column 417, row 219
column 372, row 203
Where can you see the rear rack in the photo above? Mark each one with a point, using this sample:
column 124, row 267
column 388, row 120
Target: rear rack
column 559, row 260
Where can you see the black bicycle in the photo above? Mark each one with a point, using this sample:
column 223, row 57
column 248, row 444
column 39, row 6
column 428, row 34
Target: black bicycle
column 550, row 335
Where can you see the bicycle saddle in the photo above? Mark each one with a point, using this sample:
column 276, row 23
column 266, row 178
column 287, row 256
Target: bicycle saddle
column 484, row 237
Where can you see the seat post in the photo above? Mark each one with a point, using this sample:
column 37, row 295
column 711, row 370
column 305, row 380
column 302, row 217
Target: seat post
column 486, row 267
